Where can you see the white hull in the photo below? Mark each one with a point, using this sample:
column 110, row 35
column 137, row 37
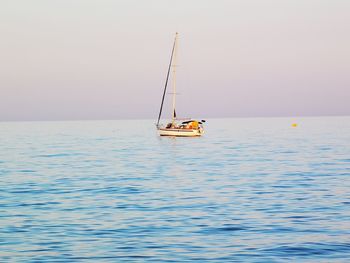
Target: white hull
column 180, row 132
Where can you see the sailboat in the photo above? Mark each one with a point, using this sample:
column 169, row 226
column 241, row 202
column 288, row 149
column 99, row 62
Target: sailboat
column 177, row 127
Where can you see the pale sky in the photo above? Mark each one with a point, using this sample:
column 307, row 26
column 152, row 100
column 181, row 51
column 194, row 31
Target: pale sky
column 85, row 59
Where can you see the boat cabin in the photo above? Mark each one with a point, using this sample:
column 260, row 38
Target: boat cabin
column 192, row 124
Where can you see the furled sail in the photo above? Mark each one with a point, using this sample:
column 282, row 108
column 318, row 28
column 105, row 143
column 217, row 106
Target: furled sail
column 166, row 84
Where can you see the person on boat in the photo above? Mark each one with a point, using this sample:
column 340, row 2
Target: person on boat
column 195, row 125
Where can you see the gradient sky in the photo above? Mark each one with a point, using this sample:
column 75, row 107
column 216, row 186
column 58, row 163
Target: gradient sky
column 84, row 59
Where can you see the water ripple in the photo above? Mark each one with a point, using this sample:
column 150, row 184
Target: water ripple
column 112, row 191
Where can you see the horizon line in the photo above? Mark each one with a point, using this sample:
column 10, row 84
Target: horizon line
column 134, row 119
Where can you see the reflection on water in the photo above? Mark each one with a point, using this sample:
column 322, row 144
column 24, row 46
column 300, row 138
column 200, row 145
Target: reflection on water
column 248, row 190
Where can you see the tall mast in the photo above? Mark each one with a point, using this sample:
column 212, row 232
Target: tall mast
column 174, row 79
column 166, row 83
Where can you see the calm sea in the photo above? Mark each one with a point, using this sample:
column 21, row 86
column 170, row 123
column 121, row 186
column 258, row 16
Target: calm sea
column 249, row 190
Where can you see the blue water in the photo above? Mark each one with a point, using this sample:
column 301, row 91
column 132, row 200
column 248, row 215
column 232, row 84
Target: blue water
column 250, row 190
